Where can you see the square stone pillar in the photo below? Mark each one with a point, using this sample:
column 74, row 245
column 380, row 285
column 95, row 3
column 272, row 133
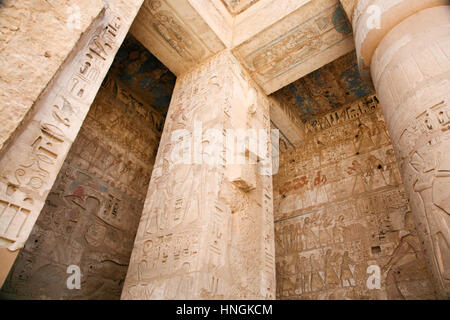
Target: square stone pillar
column 206, row 231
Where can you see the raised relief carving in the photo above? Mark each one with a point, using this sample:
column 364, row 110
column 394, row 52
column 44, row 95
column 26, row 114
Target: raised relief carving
column 238, row 6
column 197, row 237
column 173, row 31
column 272, row 59
column 342, row 207
column 432, row 175
column 92, row 212
column 46, row 140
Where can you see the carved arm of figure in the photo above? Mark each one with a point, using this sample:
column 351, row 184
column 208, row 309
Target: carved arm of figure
column 442, row 174
column 395, row 257
column 406, row 243
column 351, row 170
column 423, row 183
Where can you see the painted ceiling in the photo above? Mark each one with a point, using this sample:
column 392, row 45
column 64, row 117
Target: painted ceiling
column 330, row 87
column 238, row 6
column 144, row 74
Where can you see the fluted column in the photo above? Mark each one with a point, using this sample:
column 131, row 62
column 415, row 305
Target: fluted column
column 404, row 47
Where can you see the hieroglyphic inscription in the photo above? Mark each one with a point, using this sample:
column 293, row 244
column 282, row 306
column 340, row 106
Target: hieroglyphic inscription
column 201, row 235
column 341, row 207
column 32, row 162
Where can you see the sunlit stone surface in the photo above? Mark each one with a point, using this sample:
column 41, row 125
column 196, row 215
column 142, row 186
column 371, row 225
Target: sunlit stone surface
column 225, row 149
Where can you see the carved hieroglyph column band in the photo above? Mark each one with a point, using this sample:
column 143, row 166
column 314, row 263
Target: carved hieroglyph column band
column 405, row 45
column 206, row 230
column 373, row 19
column 35, row 38
column 30, row 165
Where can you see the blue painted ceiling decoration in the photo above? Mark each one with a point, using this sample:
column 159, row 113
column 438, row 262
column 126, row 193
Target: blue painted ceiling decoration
column 330, row 87
column 144, row 74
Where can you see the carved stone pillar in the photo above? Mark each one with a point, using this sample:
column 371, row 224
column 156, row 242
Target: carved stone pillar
column 32, row 160
column 206, row 230
column 405, row 46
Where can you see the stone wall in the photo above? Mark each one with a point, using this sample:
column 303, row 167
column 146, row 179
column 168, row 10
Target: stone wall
column 92, row 213
column 340, row 207
column 36, row 36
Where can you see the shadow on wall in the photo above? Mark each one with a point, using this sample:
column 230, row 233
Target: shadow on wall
column 144, row 74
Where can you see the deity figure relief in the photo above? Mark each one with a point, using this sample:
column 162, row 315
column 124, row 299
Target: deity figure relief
column 431, row 185
column 95, row 234
column 90, row 149
column 150, row 258
column 105, row 160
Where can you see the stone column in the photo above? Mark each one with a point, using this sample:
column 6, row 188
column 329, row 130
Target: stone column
column 31, row 161
column 404, row 46
column 206, row 230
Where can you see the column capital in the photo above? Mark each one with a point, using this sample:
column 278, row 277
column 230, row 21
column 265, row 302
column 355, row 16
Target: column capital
column 373, row 19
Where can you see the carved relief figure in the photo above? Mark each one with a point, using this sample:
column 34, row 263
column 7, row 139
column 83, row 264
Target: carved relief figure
column 355, row 215
column 92, row 213
column 363, row 141
column 405, row 257
column 431, row 177
column 347, row 265
column 392, row 174
column 360, row 183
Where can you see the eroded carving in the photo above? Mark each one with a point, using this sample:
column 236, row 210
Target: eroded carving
column 341, row 207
